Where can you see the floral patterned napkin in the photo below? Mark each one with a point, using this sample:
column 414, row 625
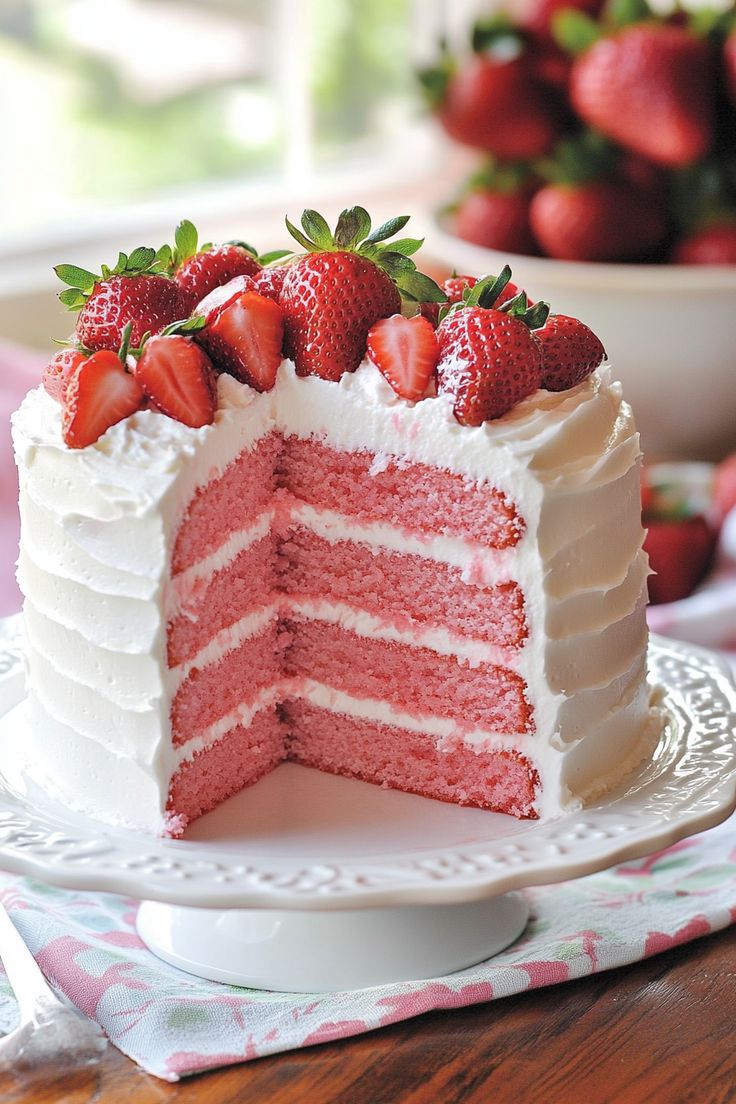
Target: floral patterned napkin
column 173, row 1024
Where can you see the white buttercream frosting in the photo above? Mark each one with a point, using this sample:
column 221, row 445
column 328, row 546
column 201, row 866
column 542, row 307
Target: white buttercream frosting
column 98, row 529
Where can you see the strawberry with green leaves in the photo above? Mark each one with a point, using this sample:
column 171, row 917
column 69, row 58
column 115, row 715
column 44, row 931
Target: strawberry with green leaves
column 136, row 291
column 346, row 282
column 197, row 270
column 587, row 213
column 491, row 100
column 489, row 360
column 493, row 211
column 647, row 84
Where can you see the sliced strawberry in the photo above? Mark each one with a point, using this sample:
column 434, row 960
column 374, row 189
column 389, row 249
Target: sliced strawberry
column 223, row 296
column 405, row 351
column 99, row 394
column 59, row 371
column 570, row 352
column 177, row 375
column 245, row 338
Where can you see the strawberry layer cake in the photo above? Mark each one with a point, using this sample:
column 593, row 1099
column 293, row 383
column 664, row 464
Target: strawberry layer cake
column 408, row 551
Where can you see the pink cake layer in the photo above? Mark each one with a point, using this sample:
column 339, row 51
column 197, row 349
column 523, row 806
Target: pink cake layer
column 211, row 692
column 409, row 495
column 414, row 680
column 404, row 760
column 405, row 589
column 239, row 758
column 211, row 604
column 228, row 504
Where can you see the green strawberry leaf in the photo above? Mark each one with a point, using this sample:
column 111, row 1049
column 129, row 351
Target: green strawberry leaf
column 242, row 245
column 420, row 288
column 120, row 267
column 573, row 31
column 125, row 343
column 495, row 32
column 407, row 246
column 141, row 259
column 274, row 255
column 185, row 326
column 486, row 291
column 536, row 317
column 622, row 13
column 75, row 277
column 434, row 81
column 298, row 236
column 185, row 240
column 162, row 260
column 73, row 299
column 353, row 225
column 316, row 228
column 388, row 229
column 395, row 263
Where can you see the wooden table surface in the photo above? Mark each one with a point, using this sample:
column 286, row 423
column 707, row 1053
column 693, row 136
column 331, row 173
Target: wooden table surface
column 658, row 1031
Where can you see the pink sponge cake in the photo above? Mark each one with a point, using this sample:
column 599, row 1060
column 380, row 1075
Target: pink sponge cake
column 402, row 554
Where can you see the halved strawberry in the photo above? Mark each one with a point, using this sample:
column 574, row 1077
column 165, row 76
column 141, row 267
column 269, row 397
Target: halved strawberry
column 221, row 297
column 405, row 351
column 245, row 338
column 178, row 376
column 59, row 371
column 99, row 394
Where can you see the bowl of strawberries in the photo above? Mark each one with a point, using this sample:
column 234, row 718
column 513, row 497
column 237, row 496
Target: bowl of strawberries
column 606, row 137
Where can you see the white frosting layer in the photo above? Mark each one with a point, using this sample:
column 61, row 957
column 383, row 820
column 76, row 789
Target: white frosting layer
column 98, row 528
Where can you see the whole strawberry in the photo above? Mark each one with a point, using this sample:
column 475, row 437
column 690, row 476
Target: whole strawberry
column 332, row 296
column 649, row 86
column 489, row 361
column 494, row 211
column 713, row 244
column 596, row 220
column 570, row 352
column 490, row 100
column 135, row 291
column 198, row 270
column 680, row 552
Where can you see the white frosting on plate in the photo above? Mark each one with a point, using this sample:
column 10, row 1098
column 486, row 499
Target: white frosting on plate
column 98, row 529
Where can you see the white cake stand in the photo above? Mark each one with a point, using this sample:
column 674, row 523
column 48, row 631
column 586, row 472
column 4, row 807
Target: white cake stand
column 312, row 883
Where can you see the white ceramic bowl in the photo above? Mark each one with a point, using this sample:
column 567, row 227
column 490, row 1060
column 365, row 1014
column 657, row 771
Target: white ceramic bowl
column 669, row 330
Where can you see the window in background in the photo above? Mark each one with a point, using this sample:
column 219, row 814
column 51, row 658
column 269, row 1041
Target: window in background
column 110, row 102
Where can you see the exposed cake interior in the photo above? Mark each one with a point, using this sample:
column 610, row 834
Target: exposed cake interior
column 349, row 582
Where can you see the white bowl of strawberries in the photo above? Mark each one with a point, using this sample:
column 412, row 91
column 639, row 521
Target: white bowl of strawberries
column 609, row 186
